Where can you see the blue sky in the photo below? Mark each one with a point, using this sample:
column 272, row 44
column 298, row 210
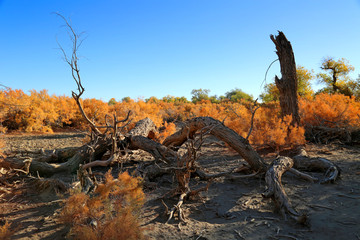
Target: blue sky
column 143, row 48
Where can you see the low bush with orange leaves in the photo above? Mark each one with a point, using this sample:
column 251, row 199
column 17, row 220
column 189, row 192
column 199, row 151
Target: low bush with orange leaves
column 334, row 111
column 269, row 128
column 110, row 213
column 5, row 231
column 38, row 111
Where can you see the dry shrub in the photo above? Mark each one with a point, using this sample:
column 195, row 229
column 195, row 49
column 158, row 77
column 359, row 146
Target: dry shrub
column 5, row 231
column 334, row 111
column 269, row 129
column 38, row 111
column 168, row 129
column 110, row 213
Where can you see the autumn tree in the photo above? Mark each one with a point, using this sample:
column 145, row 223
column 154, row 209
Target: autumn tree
column 335, row 76
column 304, row 77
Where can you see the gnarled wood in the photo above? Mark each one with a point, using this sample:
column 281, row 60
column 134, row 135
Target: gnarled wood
column 48, row 169
column 331, row 170
column 287, row 85
column 142, row 128
column 156, row 149
column 275, row 190
column 219, row 130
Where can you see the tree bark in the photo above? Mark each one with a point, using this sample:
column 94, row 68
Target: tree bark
column 288, row 83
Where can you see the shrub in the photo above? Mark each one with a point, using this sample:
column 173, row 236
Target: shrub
column 110, row 213
column 5, row 231
column 334, row 111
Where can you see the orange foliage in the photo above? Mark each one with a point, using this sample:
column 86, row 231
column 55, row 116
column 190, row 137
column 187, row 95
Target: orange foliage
column 5, row 231
column 2, row 145
column 168, row 129
column 43, row 113
column 269, row 128
column 335, row 110
column 110, row 213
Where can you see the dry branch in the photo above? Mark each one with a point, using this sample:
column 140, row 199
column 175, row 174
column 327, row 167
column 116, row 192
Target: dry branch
column 303, row 175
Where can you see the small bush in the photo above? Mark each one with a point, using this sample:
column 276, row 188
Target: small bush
column 110, row 213
column 5, row 231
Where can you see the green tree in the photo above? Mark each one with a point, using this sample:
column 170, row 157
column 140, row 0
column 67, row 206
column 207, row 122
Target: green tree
column 152, row 100
column 304, row 76
column 168, row 98
column 181, row 100
column 200, row 95
column 214, row 99
column 112, row 102
column 126, row 99
column 236, row 95
column 355, row 86
column 335, row 76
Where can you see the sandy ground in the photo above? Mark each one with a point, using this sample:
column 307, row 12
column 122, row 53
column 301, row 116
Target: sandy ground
column 230, row 209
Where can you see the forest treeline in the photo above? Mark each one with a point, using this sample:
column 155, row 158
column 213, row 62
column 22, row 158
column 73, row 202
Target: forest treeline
column 40, row 112
column 336, row 105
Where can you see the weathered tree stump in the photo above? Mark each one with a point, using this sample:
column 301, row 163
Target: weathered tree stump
column 287, row 84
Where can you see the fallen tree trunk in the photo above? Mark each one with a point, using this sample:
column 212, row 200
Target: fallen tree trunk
column 157, row 150
column 89, row 151
column 219, row 130
column 48, row 169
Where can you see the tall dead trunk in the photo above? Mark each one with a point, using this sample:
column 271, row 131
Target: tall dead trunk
column 288, row 83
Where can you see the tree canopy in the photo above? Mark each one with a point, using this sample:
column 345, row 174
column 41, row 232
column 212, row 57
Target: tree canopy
column 200, row 94
column 335, row 76
column 235, row 95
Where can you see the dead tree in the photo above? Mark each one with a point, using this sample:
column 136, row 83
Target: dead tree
column 287, row 84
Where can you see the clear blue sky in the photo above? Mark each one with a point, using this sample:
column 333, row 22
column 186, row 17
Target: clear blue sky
column 143, row 48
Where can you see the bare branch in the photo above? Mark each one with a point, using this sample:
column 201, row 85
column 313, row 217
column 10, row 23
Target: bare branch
column 253, row 111
column 75, row 72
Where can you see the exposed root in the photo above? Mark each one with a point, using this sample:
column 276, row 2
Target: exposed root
column 305, row 176
column 87, row 185
column 332, row 171
column 276, row 191
column 207, row 176
column 178, row 208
